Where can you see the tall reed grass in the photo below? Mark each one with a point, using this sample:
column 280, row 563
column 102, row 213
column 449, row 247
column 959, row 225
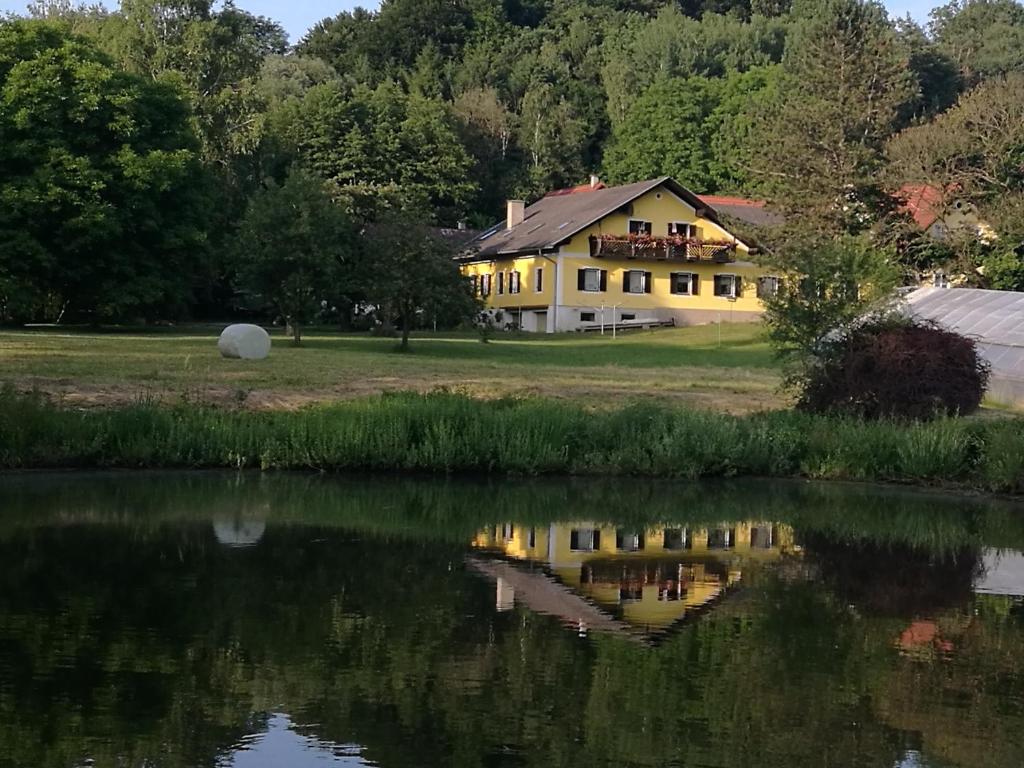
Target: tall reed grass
column 445, row 433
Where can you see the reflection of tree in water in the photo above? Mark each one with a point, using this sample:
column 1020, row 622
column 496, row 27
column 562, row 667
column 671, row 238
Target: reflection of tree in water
column 892, row 578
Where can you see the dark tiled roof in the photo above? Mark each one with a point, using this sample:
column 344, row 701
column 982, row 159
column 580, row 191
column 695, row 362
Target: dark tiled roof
column 554, row 219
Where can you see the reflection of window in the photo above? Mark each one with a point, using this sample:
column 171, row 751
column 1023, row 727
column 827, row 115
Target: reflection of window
column 721, row 538
column 684, row 283
column 727, row 286
column 629, row 541
column 588, row 317
column 637, row 281
column 767, row 286
column 592, row 280
column 631, row 593
column 584, row 540
column 762, row 537
column 509, row 532
column 531, row 538
column 678, row 538
column 485, row 285
column 638, row 227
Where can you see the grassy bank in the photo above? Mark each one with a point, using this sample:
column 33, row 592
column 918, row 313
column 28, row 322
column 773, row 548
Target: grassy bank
column 729, row 368
column 445, row 433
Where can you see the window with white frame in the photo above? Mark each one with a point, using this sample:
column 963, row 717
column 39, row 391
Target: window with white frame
column 538, row 282
column 514, row 279
column 636, row 281
column 768, row 286
column 592, row 280
column 727, row 286
column 684, row 283
column 640, row 227
column 485, row 285
column 681, row 229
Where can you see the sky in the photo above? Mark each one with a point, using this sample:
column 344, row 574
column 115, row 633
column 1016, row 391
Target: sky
column 299, row 15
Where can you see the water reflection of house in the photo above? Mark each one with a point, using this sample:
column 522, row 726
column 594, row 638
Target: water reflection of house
column 647, row 578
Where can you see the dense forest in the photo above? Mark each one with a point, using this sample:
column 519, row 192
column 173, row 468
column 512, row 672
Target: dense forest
column 144, row 151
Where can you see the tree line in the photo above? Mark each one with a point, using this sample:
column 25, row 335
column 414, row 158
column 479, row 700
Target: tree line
column 153, row 158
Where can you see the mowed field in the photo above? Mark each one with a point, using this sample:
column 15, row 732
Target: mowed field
column 728, row 368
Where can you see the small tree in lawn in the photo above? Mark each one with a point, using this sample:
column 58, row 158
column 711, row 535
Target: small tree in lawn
column 294, row 249
column 828, row 284
column 409, row 271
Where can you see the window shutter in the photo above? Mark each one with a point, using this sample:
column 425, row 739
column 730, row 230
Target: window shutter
column 648, row 282
column 581, row 279
column 695, row 284
column 604, row 279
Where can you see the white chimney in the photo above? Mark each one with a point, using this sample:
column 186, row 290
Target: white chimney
column 595, row 181
column 516, row 212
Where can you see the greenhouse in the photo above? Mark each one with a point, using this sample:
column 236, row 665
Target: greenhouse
column 994, row 318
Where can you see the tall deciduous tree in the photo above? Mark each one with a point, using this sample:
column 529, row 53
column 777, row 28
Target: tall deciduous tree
column 295, row 251
column 410, row 273
column 846, row 83
column 382, row 148
column 103, row 209
column 984, row 37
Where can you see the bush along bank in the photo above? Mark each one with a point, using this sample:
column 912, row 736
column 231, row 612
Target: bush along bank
column 444, row 433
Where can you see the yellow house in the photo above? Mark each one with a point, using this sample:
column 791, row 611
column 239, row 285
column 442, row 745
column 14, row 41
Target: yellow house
column 636, row 255
column 649, row 578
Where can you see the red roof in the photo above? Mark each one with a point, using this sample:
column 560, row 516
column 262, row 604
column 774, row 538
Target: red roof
column 576, row 190
column 714, row 200
column 922, row 201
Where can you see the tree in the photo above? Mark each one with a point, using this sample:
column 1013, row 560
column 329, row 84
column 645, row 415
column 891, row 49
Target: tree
column 381, row 148
column 103, row 207
column 410, row 273
column 985, row 38
column 818, row 148
column 295, row 250
column 827, row 284
column 687, row 128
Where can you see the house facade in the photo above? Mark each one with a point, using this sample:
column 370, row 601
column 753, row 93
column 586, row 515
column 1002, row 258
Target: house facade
column 649, row 578
column 637, row 255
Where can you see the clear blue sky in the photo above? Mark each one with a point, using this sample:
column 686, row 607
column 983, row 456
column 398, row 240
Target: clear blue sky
column 298, row 15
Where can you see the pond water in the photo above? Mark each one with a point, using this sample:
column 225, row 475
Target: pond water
column 244, row 621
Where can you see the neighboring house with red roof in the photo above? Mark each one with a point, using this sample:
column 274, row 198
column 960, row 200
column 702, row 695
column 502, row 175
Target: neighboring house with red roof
column 941, row 214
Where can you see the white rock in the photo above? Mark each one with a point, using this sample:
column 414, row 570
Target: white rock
column 244, row 342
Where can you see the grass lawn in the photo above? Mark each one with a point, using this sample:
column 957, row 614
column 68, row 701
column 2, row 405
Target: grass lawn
column 728, row 368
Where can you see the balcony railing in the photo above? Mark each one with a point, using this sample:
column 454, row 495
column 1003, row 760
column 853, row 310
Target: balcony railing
column 662, row 248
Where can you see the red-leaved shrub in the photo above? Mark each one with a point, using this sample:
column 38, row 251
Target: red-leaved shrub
column 896, row 369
